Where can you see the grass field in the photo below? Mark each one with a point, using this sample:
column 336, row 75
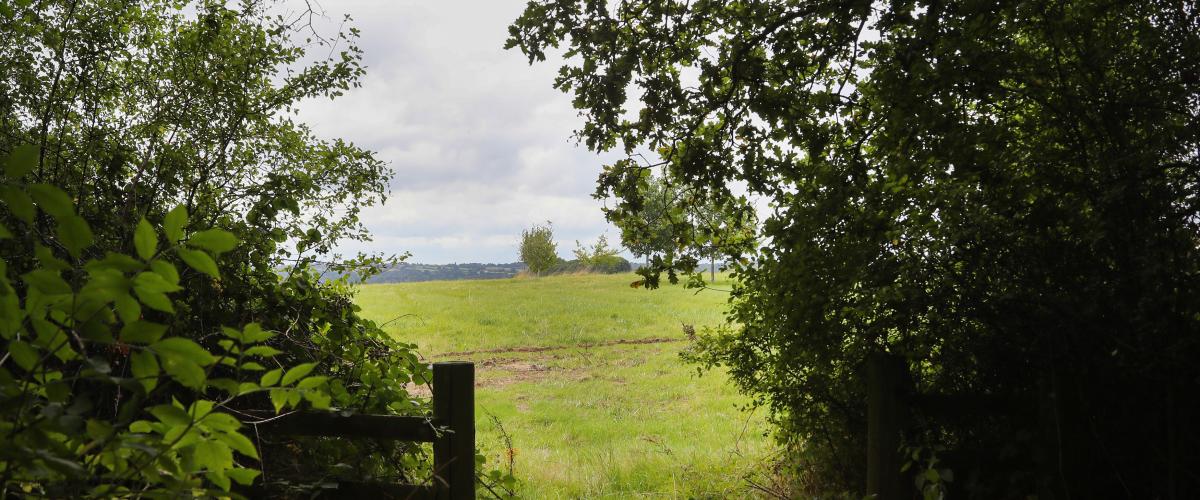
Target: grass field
column 588, row 417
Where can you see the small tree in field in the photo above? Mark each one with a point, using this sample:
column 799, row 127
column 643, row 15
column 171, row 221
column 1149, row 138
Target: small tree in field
column 599, row 257
column 538, row 248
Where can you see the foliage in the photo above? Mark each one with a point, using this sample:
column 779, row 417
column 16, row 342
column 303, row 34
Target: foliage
column 600, row 257
column 538, row 250
column 616, row 265
column 1005, row 194
column 663, row 219
column 649, row 230
column 77, row 330
column 134, row 127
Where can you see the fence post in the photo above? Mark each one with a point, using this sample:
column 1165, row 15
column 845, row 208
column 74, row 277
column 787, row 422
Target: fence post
column 454, row 406
column 886, row 376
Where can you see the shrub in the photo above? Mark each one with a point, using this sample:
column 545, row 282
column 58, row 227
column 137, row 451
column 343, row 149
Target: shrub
column 538, row 248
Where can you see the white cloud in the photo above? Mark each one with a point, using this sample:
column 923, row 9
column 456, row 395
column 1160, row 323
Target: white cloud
column 478, row 139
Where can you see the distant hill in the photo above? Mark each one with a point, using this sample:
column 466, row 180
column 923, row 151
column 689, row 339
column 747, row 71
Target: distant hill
column 407, row 273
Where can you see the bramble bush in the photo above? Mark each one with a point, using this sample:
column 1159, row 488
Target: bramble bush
column 102, row 393
column 166, row 223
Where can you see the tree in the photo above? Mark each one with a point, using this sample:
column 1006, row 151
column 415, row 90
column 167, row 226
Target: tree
column 1004, row 195
column 145, row 140
column 648, row 230
column 600, row 257
column 538, row 248
column 662, row 218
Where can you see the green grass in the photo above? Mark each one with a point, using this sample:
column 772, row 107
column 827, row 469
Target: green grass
column 607, row 421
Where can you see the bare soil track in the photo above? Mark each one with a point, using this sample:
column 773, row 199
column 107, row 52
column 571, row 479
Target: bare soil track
column 654, row 340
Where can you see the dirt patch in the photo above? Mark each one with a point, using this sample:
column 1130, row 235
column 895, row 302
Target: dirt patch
column 500, row 371
column 654, row 340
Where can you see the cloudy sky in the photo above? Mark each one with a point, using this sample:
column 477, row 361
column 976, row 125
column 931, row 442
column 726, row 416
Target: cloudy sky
column 479, row 140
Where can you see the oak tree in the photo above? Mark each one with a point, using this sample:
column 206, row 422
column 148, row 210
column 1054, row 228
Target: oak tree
column 1003, row 194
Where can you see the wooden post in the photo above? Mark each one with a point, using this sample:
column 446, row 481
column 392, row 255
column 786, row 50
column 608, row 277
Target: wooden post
column 454, row 407
column 886, row 376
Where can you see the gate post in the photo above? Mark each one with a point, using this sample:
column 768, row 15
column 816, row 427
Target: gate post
column 886, row 377
column 454, row 407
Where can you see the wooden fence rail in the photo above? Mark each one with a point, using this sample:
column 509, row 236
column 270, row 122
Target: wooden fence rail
column 451, row 430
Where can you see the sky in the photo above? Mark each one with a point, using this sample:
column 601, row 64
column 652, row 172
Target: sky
column 479, row 141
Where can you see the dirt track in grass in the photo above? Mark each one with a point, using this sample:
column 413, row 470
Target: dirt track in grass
column 657, row 340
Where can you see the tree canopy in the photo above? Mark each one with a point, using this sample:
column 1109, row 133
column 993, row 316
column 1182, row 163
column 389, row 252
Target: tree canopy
column 163, row 212
column 538, row 249
column 1004, row 194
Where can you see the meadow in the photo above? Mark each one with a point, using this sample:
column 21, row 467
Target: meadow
column 580, row 386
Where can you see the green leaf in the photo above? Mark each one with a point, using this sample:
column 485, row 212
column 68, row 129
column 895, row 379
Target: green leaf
column 5, row 233
column 142, row 332
column 120, row 262
column 200, row 261
column 21, row 160
column 174, row 222
column 265, row 351
column 223, row 422
column 213, row 455
column 171, row 415
column 53, row 200
column 18, row 202
column 214, row 240
column 48, row 260
column 253, row 333
column 74, row 234
column 240, row 443
column 127, row 308
column 48, row 282
column 145, row 369
column 166, row 270
column 932, row 475
column 23, row 353
column 318, row 400
column 270, row 378
column 184, row 371
column 153, row 282
column 244, row 477
column 57, row 392
column 218, row 477
column 296, row 372
column 141, row 427
column 312, row 382
column 145, row 240
column 279, row 398
column 154, row 300
column 184, row 348
column 98, row 429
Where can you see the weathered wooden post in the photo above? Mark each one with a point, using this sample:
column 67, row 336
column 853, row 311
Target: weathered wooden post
column 454, row 407
column 886, row 414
